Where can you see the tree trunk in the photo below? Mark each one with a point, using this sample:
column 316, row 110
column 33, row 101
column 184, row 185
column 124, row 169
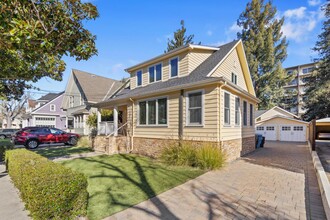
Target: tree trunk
column 9, row 122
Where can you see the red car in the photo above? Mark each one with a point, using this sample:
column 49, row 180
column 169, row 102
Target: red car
column 32, row 137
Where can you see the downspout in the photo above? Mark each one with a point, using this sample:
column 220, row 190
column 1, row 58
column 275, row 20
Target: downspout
column 180, row 131
column 132, row 140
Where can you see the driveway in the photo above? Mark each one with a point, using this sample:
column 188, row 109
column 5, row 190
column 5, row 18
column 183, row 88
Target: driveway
column 276, row 182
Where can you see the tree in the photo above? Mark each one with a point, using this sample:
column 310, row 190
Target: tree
column 265, row 49
column 318, row 92
column 179, row 38
column 35, row 35
column 12, row 109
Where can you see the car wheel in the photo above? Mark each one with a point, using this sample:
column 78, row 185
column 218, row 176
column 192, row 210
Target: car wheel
column 72, row 141
column 2, row 136
column 32, row 144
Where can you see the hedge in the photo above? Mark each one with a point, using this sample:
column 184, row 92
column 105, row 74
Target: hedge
column 49, row 190
column 3, row 147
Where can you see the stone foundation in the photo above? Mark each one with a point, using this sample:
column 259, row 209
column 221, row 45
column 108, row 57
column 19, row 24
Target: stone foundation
column 238, row 147
column 150, row 147
column 112, row 145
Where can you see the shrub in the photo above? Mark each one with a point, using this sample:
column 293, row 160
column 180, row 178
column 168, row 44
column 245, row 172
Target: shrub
column 188, row 153
column 209, row 157
column 84, row 142
column 49, row 190
column 3, row 147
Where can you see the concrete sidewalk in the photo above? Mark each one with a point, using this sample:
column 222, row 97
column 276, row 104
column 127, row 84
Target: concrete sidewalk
column 11, row 206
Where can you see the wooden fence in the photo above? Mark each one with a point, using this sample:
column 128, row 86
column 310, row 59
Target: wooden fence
column 312, row 134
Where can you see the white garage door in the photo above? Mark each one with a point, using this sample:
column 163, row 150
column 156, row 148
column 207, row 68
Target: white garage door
column 45, row 121
column 293, row 133
column 269, row 132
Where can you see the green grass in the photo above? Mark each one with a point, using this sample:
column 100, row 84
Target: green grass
column 5, row 141
column 120, row 181
column 61, row 151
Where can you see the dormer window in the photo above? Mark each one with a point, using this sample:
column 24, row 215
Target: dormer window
column 52, row 108
column 155, row 73
column 139, row 78
column 174, row 67
column 234, row 78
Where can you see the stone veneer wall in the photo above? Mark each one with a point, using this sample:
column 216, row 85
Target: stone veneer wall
column 238, row 147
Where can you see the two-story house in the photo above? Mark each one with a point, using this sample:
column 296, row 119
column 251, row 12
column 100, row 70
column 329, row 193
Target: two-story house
column 46, row 111
column 195, row 92
column 82, row 91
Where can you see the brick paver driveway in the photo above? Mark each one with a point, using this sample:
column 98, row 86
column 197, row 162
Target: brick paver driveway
column 276, row 182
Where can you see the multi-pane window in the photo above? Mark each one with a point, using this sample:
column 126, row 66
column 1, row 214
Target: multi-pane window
column 52, row 108
column 237, row 110
column 174, row 67
column 139, row 78
column 153, row 112
column 234, row 78
column 286, row 128
column 227, row 109
column 194, row 104
column 270, row 128
column 155, row 73
column 298, row 128
column 251, row 114
column 244, row 113
column 308, row 70
column 260, row 128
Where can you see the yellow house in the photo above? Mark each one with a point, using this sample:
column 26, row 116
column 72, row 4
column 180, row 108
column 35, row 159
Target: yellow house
column 277, row 124
column 199, row 93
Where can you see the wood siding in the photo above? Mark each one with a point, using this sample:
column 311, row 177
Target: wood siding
column 272, row 112
column 232, row 131
column 196, row 57
column 230, row 65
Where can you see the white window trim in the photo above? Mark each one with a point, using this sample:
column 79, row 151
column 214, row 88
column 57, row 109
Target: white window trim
column 169, row 67
column 188, row 124
column 154, row 65
column 224, row 112
column 136, row 75
column 50, row 107
column 235, row 77
column 153, row 125
column 239, row 112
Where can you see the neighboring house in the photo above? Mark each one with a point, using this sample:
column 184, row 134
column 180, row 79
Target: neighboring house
column 295, row 90
column 323, row 125
column 46, row 111
column 277, row 124
column 82, row 91
column 199, row 93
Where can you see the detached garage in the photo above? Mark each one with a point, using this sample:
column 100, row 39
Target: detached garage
column 277, row 124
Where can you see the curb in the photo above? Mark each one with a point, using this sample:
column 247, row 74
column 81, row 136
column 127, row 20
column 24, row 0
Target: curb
column 323, row 182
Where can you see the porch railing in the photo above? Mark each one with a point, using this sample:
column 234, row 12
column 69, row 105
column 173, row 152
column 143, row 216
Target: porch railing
column 106, row 128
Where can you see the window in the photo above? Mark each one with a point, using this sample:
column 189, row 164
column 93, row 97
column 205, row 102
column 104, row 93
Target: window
column 289, row 72
column 227, row 109
column 52, row 108
column 237, row 111
column 298, row 128
column 194, row 103
column 245, row 113
column 251, row 115
column 174, row 67
column 286, row 128
column 155, row 73
column 308, row 70
column 270, row 128
column 153, row 112
column 71, row 101
column 260, row 128
column 139, row 78
column 234, row 78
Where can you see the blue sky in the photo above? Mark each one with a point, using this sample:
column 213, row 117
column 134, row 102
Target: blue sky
column 129, row 32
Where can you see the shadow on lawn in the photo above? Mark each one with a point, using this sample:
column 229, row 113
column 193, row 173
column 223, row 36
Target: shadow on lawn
column 61, row 151
column 142, row 184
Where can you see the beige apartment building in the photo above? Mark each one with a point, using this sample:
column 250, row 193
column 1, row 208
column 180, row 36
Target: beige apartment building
column 295, row 90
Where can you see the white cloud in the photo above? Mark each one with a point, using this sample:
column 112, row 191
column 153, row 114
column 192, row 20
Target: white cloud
column 295, row 13
column 314, row 2
column 209, row 33
column 299, row 23
column 235, row 28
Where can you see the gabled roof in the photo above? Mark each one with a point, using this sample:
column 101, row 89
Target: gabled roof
column 276, row 108
column 49, row 96
column 283, row 117
column 53, row 96
column 95, row 88
column 259, row 112
column 197, row 76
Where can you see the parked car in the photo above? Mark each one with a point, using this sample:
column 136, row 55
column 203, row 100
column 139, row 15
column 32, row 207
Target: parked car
column 7, row 132
column 32, row 137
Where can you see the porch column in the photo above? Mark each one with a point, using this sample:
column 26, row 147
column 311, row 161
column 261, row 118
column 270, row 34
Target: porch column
column 115, row 120
column 99, row 119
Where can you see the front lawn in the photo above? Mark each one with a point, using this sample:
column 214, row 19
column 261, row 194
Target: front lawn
column 120, row 181
column 61, row 151
column 4, row 141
